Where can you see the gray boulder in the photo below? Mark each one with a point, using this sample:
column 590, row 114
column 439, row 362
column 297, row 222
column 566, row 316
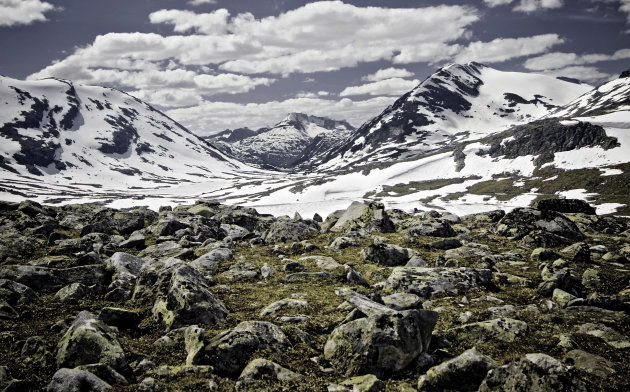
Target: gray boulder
column 432, row 228
column 230, row 351
column 286, row 230
column 260, row 368
column 380, row 344
column 462, row 373
column 47, row 279
column 386, row 254
column 501, row 329
column 425, row 281
column 542, row 228
column 89, row 340
column 369, row 217
column 74, row 380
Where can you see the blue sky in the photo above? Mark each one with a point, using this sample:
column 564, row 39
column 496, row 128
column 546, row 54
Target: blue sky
column 216, row 64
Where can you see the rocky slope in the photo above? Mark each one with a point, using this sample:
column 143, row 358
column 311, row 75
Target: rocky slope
column 297, row 139
column 212, row 297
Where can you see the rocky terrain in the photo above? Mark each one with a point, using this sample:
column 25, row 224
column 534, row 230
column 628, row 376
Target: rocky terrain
column 215, row 297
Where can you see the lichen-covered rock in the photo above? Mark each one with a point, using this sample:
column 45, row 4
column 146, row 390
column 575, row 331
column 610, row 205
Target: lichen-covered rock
column 369, row 217
column 565, row 206
column 380, row 344
column 259, row 368
column 283, row 305
column 502, row 329
column 89, row 340
column 425, row 281
column 462, row 373
column 286, row 230
column 365, row 383
column 47, row 279
column 590, row 363
column 431, row 228
column 184, row 298
column 387, row 254
column 16, row 294
column 230, row 351
column 535, row 373
column 74, row 380
column 72, row 292
column 542, row 228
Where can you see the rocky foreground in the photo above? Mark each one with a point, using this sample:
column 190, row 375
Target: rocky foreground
column 214, row 297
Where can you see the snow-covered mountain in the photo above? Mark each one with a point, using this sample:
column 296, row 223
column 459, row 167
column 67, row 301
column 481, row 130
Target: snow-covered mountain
column 55, row 132
column 296, row 139
column 457, row 103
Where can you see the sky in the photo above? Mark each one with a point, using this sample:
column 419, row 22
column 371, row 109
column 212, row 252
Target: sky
column 219, row 64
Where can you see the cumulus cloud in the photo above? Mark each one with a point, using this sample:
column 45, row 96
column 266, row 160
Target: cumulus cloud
column 624, row 6
column 557, row 60
column 585, row 74
column 212, row 117
column 387, row 73
column 23, row 12
column 210, row 23
column 392, row 86
column 495, row 3
column 502, row 49
column 537, row 5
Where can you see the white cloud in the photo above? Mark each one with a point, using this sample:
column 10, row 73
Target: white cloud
column 169, row 98
column 536, row 5
column 502, row 49
column 393, row 86
column 559, row 60
column 495, row 3
column 585, row 74
column 211, row 23
column 23, row 12
column 201, row 2
column 213, row 117
column 387, row 73
column 432, row 52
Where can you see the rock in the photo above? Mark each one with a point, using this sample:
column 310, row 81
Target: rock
column 385, row 254
column 416, row 261
column 72, row 292
column 431, row 228
column 561, row 297
column 342, row 242
column 89, row 340
column 403, row 301
column 241, row 271
column 309, row 276
column 502, row 311
column 150, row 384
column 235, row 232
column 193, row 339
column 354, row 276
column 16, row 294
column 209, row 262
column 543, row 254
column 184, row 298
column 451, row 243
column 502, row 329
column 380, row 344
column 590, row 363
column 363, row 303
column 424, row 281
column 462, row 373
column 120, row 318
column 535, row 373
column 609, row 335
column 578, row 253
column 230, row 351
column 260, row 368
column 591, row 279
column 564, row 206
column 284, row 230
column 370, row 217
column 542, row 228
column 365, row 383
column 164, row 250
column 167, row 227
column 34, row 352
column 135, row 240
column 267, row 271
column 282, row 305
column 47, row 279
column 604, row 315
column 324, row 262
column 294, row 266
column 74, row 380
column 105, row 373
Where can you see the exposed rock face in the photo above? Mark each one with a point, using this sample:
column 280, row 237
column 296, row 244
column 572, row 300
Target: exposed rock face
column 380, row 344
column 541, row 228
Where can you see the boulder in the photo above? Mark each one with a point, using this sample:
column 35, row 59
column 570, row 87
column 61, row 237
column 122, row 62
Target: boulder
column 286, row 230
column 431, row 228
column 283, row 305
column 380, row 344
column 72, row 292
column 535, row 373
column 365, row 383
column 462, row 373
column 564, row 206
column 230, row 351
column 48, row 279
column 343, row 242
column 501, row 329
column 386, row 254
column 425, row 281
column 74, row 380
column 260, row 368
column 89, row 340
column 369, row 217
column 590, row 363
column 16, row 294
column 542, row 228
column 324, row 262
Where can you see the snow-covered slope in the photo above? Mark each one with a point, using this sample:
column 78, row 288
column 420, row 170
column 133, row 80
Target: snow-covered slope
column 457, row 103
column 296, row 139
column 54, row 132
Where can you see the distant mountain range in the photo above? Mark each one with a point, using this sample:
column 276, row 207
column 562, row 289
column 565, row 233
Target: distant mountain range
column 466, row 139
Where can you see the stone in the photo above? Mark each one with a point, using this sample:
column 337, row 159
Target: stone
column 164, row 250
column 48, row 279
column 425, row 281
column 431, row 228
column 565, row 206
column 284, row 230
column 120, row 318
column 260, row 368
column 72, row 292
column 462, row 373
column 363, row 303
column 324, row 262
column 16, row 294
column 502, row 329
column 609, row 335
column 135, row 240
column 74, row 380
column 448, row 244
column 416, row 261
column 231, row 350
column 105, row 373
column 502, row 311
column 150, row 384
column 543, row 228
column 370, row 217
column 294, row 266
column 590, row 363
column 34, row 351
column 535, row 373
column 388, row 255
column 543, row 254
column 208, row 263
column 309, row 276
column 365, row 383
column 342, row 242
column 403, row 301
column 283, row 305
column 380, row 344
column 184, row 298
column 241, row 271
column 267, row 271
column 578, row 253
column 354, row 276
column 193, row 340
column 561, row 297
column 89, row 340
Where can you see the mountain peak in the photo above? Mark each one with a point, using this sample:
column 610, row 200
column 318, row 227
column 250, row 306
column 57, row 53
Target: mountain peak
column 625, row 74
